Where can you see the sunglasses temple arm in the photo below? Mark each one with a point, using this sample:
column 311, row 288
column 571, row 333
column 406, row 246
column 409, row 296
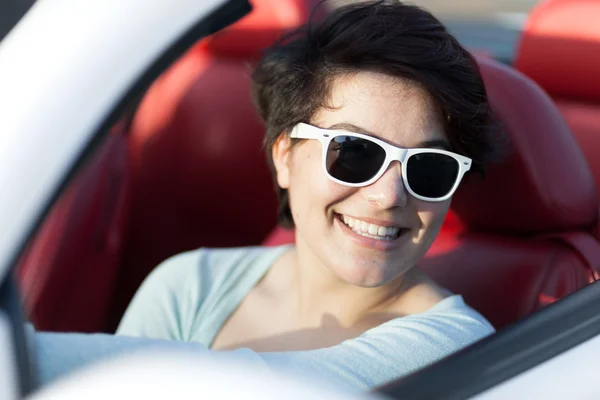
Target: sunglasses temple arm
column 299, row 132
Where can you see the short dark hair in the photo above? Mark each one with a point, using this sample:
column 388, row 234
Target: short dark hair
column 293, row 79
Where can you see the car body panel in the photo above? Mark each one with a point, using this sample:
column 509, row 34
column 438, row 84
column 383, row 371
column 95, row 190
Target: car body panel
column 570, row 375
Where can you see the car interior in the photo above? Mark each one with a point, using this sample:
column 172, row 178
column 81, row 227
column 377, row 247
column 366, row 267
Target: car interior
column 186, row 169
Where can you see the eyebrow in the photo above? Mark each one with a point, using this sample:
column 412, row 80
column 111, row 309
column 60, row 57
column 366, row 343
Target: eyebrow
column 440, row 143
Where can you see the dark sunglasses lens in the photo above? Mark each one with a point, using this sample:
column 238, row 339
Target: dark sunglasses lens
column 353, row 160
column 431, row 174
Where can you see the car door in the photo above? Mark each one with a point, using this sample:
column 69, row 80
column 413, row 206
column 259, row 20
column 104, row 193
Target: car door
column 61, row 91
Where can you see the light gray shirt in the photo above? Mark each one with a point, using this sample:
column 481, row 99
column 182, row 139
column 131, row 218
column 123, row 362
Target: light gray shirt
column 187, row 299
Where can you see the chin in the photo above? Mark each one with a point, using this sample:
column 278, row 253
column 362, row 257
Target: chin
column 366, row 276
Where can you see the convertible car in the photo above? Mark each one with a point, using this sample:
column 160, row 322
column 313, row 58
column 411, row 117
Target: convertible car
column 129, row 136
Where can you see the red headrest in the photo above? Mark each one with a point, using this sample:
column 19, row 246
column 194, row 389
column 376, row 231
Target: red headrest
column 560, row 48
column 545, row 184
column 264, row 25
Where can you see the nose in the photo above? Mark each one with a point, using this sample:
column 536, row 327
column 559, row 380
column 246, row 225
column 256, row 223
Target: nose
column 388, row 191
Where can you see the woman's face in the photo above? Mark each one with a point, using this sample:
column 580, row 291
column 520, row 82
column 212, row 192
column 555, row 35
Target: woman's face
column 398, row 112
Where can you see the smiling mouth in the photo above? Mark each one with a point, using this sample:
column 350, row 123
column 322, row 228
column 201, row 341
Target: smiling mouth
column 372, row 231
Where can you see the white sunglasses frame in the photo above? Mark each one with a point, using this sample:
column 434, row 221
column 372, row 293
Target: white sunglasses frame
column 392, row 153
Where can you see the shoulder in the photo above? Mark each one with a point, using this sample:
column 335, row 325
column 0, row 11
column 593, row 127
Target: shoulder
column 188, row 279
column 453, row 312
column 415, row 341
column 210, row 263
column 180, row 291
column 450, row 324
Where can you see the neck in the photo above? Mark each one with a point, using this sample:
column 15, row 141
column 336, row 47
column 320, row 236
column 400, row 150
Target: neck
column 322, row 296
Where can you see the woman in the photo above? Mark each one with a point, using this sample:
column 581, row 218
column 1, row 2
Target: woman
column 372, row 118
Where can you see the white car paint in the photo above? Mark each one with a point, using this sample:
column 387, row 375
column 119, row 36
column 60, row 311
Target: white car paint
column 62, row 69
column 570, row 375
column 173, row 375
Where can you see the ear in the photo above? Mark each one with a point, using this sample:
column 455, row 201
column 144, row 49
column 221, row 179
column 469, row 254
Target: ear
column 281, row 153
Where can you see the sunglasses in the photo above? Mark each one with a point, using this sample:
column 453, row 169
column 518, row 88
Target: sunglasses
column 358, row 160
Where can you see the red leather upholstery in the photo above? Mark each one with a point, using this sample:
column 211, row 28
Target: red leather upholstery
column 67, row 273
column 200, row 176
column 492, row 248
column 584, row 120
column 258, row 30
column 550, row 186
column 505, row 278
column 560, row 50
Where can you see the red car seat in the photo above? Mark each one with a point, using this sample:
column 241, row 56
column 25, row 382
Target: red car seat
column 560, row 50
column 200, row 176
column 67, row 273
column 520, row 238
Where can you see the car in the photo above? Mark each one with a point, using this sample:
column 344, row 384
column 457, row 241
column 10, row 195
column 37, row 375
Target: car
column 119, row 118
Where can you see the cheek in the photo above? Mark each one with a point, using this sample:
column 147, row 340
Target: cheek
column 432, row 215
column 307, row 183
column 311, row 193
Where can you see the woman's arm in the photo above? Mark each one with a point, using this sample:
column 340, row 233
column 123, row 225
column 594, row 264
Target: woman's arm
column 58, row 354
column 386, row 352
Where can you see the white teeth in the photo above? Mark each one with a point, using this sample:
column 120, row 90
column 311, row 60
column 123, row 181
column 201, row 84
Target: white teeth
column 371, row 230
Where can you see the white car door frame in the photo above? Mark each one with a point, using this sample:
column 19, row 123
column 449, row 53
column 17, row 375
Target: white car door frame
column 62, row 87
column 67, row 71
